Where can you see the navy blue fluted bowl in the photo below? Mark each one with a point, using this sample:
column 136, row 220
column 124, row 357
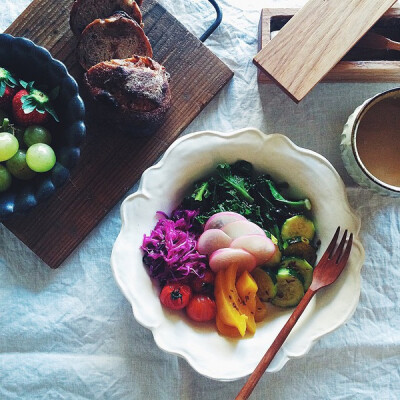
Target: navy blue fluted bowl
column 31, row 62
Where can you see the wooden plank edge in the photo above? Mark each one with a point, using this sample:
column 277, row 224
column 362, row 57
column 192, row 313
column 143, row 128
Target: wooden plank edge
column 356, row 72
column 274, row 80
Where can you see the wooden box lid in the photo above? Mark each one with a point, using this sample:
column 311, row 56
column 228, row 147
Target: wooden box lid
column 315, row 40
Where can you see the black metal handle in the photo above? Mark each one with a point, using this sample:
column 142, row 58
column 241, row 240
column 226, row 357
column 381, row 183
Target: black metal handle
column 215, row 24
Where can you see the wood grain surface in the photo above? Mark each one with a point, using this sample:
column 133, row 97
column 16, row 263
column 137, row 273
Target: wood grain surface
column 111, row 162
column 315, row 40
column 344, row 71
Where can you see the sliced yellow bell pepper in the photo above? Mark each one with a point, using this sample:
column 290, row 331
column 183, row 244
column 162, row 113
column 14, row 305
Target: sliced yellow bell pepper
column 227, row 309
column 226, row 330
column 246, row 288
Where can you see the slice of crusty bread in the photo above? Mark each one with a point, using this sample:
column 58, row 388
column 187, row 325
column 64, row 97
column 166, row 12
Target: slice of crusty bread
column 83, row 12
column 116, row 37
column 134, row 93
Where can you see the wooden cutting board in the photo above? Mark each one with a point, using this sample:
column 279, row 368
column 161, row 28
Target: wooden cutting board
column 111, row 163
column 315, row 40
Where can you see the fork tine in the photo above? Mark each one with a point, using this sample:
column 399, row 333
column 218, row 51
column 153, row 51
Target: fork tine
column 346, row 253
column 343, row 261
column 337, row 254
column 330, row 247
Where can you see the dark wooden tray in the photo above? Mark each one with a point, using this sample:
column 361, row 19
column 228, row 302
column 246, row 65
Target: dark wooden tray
column 111, row 163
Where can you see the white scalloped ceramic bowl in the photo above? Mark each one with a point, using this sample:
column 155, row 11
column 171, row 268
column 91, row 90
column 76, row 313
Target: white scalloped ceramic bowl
column 162, row 188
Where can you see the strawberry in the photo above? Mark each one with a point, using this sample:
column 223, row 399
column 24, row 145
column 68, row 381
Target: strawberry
column 8, row 88
column 31, row 106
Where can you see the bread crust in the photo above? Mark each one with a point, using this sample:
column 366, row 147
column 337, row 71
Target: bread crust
column 134, row 93
column 83, row 12
column 116, row 37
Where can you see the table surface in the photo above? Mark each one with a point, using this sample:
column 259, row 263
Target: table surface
column 70, row 333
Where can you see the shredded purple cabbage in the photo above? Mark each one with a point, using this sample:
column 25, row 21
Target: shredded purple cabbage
column 170, row 251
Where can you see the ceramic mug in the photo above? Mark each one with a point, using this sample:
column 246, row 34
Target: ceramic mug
column 370, row 144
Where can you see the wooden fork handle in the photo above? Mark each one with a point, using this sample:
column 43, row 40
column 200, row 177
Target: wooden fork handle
column 275, row 346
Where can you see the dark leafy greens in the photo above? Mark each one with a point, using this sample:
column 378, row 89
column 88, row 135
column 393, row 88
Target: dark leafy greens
column 239, row 184
column 237, row 188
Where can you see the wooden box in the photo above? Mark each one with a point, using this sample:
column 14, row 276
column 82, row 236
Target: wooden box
column 359, row 65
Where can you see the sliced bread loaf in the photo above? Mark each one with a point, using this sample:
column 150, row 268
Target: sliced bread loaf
column 116, row 37
column 134, row 93
column 83, row 12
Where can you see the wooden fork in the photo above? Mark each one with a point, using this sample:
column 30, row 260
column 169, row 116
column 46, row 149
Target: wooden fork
column 325, row 273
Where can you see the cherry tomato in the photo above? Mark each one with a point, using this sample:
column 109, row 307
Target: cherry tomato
column 204, row 284
column 175, row 296
column 201, row 308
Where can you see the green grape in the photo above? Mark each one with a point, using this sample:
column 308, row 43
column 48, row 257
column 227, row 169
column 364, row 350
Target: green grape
column 40, row 157
column 18, row 167
column 8, row 146
column 36, row 134
column 5, row 178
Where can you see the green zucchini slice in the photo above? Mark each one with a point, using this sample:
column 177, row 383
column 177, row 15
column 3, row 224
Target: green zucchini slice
column 275, row 260
column 299, row 225
column 290, row 289
column 300, row 247
column 302, row 267
column 266, row 283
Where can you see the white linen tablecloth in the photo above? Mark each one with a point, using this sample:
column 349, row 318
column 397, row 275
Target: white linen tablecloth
column 70, row 334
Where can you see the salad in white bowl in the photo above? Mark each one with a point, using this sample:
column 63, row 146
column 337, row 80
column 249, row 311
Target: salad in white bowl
column 181, row 243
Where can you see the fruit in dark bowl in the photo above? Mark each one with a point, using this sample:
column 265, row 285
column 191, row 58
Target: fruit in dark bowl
column 33, row 181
